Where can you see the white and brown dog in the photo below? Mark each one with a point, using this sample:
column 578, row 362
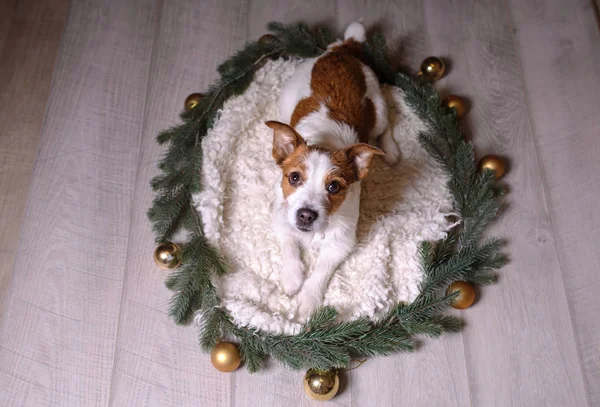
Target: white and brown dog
column 334, row 107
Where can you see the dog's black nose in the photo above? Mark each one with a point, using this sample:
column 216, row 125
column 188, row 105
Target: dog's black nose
column 306, row 217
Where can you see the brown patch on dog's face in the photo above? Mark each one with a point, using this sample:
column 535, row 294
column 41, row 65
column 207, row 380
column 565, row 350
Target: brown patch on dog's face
column 344, row 174
column 351, row 165
column 293, row 168
column 289, row 152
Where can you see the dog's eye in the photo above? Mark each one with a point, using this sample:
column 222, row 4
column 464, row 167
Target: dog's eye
column 294, row 178
column 333, row 187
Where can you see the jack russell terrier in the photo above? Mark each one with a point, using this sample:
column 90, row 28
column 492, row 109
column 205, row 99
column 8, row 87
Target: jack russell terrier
column 333, row 106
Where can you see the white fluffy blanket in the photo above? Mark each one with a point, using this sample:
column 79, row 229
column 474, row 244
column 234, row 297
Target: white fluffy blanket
column 400, row 207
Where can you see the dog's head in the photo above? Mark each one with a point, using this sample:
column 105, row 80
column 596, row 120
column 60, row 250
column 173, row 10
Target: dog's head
column 315, row 180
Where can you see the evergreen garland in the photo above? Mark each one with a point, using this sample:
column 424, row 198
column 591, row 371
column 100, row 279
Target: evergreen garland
column 324, row 343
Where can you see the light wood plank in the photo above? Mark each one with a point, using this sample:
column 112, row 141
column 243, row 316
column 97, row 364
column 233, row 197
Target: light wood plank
column 26, row 67
column 58, row 333
column 7, row 10
column 277, row 385
column 519, row 344
column 401, row 22
column 559, row 49
column 312, row 12
column 58, row 328
column 405, row 379
column 158, row 363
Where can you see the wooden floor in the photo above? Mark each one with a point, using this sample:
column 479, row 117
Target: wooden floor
column 85, row 86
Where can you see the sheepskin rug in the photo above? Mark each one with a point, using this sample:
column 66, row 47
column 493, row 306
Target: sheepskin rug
column 400, row 207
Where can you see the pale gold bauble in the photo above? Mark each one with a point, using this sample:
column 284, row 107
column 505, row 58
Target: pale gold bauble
column 456, row 103
column 466, row 296
column 494, row 163
column 267, row 38
column 167, row 256
column 433, row 68
column 225, row 357
column 192, row 100
column 321, row 384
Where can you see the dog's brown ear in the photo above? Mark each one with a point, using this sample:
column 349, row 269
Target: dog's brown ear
column 361, row 156
column 285, row 140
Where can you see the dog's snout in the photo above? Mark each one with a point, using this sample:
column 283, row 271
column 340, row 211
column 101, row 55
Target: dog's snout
column 306, row 217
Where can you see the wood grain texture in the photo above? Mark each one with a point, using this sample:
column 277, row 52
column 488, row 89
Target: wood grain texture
column 312, row 12
column 7, row 10
column 84, row 319
column 559, row 49
column 156, row 362
column 519, row 345
column 386, row 381
column 30, row 46
column 58, row 331
column 402, row 22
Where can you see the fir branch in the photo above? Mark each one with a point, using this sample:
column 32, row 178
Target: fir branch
column 172, row 280
column 444, row 249
column 322, row 317
column 383, row 339
column 426, row 253
column 211, row 318
column 377, row 58
column 166, row 211
column 298, row 40
column 252, row 355
column 188, row 287
column 424, row 307
column 482, row 278
column 210, row 327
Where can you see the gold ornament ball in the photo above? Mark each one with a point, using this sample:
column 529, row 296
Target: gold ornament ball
column 192, row 100
column 494, row 163
column 456, row 103
column 433, row 68
column 167, row 256
column 225, row 357
column 466, row 296
column 321, row 384
column 267, row 38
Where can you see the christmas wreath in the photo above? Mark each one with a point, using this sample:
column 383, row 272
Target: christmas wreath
column 450, row 267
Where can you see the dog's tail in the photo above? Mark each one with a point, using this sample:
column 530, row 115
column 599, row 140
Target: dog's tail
column 356, row 31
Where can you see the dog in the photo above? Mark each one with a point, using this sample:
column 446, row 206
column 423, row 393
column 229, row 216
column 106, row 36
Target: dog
column 330, row 109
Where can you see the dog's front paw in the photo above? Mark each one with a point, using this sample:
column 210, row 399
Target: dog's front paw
column 308, row 301
column 292, row 278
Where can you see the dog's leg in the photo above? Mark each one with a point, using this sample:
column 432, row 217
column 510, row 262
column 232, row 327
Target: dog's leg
column 333, row 250
column 382, row 128
column 292, row 273
column 389, row 145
